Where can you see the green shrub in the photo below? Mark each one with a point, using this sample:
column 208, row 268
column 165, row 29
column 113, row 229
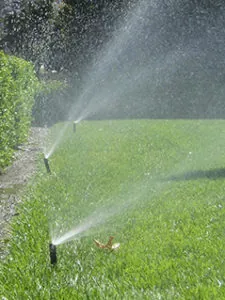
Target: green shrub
column 18, row 85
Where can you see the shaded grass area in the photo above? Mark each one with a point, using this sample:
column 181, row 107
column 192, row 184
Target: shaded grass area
column 210, row 174
column 156, row 185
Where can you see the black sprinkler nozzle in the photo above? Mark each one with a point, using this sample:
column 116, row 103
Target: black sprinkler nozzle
column 47, row 165
column 74, row 126
column 53, row 256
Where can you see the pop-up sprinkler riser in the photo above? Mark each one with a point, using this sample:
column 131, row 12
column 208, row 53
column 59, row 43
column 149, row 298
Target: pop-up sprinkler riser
column 47, row 165
column 74, row 126
column 52, row 253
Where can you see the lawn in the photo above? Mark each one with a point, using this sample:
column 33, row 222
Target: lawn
column 157, row 186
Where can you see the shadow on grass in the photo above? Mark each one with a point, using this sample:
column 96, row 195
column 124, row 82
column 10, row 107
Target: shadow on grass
column 212, row 174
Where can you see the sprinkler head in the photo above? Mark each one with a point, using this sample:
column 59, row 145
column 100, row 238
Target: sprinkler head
column 47, row 165
column 52, row 252
column 74, row 126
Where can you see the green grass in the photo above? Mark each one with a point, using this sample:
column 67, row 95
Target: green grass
column 162, row 185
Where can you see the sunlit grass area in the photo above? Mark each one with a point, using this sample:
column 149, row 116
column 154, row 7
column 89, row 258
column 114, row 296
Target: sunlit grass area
column 157, row 186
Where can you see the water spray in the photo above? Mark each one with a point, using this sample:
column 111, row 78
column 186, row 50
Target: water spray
column 47, row 165
column 52, row 252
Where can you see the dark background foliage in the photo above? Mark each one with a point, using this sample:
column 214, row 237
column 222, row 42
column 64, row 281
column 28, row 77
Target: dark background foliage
column 64, row 37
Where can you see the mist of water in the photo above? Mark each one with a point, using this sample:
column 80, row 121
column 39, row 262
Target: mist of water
column 197, row 162
column 147, row 62
column 139, row 62
column 116, row 207
column 152, row 61
column 124, row 67
column 101, row 84
column 49, row 150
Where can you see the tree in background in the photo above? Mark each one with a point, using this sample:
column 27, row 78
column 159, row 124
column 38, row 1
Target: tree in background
column 27, row 30
column 62, row 35
column 58, row 36
column 66, row 36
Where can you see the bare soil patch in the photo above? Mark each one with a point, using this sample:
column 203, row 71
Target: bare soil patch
column 15, row 178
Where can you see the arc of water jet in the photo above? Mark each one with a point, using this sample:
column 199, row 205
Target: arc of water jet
column 102, row 215
column 49, row 153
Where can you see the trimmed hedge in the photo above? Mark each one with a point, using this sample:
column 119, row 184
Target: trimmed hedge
column 18, row 84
